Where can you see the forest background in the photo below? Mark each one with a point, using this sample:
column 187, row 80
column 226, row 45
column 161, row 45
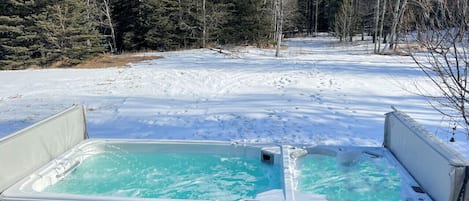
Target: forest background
column 60, row 33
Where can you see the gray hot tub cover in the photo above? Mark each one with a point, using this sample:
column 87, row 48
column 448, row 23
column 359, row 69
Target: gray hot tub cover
column 438, row 168
column 26, row 150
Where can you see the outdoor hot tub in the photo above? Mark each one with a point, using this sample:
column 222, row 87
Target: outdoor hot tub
column 116, row 169
column 55, row 160
column 160, row 170
column 354, row 173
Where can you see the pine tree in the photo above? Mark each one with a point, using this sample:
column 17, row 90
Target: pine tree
column 250, row 23
column 217, row 16
column 17, row 36
column 201, row 22
column 69, row 33
column 189, row 23
column 127, row 24
column 161, row 28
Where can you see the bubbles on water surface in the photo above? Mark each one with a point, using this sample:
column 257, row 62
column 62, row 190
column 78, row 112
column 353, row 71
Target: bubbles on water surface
column 169, row 175
column 366, row 179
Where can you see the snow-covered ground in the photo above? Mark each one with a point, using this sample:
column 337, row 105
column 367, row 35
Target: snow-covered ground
column 317, row 92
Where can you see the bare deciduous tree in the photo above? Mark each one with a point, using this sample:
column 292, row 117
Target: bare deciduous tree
column 445, row 26
column 375, row 38
column 204, row 24
column 106, row 11
column 381, row 29
column 279, row 26
column 343, row 20
column 316, row 15
column 398, row 12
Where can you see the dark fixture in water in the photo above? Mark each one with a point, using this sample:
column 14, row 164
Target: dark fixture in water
column 418, row 189
column 267, row 157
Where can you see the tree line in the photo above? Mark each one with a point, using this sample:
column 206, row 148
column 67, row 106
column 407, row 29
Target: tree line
column 56, row 33
column 45, row 33
column 66, row 32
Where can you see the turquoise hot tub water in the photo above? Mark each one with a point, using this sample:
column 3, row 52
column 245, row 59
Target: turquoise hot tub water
column 365, row 178
column 123, row 170
column 54, row 160
column 170, row 175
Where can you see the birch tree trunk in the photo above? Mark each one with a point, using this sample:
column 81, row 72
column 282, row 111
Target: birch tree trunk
column 316, row 18
column 382, row 26
column 107, row 14
column 397, row 13
column 375, row 40
column 309, row 17
column 395, row 20
column 275, row 12
column 350, row 21
column 279, row 27
column 204, row 26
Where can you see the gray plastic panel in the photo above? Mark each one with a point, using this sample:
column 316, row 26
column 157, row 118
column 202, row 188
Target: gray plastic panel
column 26, row 150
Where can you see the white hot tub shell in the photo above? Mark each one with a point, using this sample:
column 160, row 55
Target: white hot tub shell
column 32, row 186
column 47, row 151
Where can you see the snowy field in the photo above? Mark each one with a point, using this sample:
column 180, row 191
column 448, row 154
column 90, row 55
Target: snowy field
column 317, row 92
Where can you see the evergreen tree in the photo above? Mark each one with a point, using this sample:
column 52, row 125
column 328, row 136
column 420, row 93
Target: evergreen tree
column 189, row 23
column 127, row 15
column 217, row 17
column 68, row 32
column 250, row 23
column 17, row 35
column 327, row 10
column 160, row 25
column 291, row 17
